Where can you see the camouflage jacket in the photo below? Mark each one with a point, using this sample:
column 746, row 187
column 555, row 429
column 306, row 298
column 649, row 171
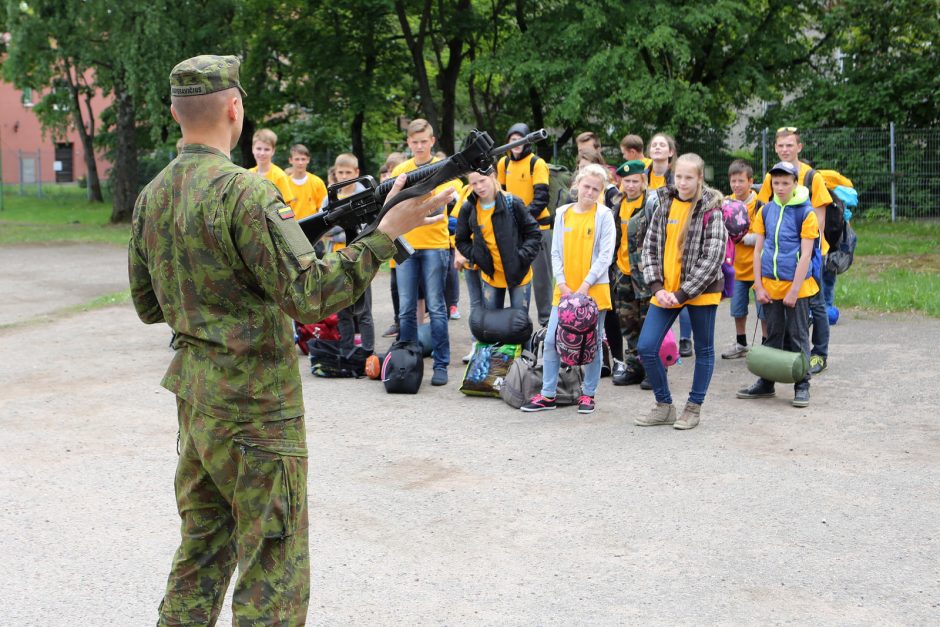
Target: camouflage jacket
column 217, row 255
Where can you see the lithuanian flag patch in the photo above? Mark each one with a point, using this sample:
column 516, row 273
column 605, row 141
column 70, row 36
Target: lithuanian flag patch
column 286, row 213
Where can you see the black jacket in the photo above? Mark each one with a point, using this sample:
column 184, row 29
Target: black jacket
column 518, row 238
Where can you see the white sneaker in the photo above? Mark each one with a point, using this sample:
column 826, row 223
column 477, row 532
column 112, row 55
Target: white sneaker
column 468, row 357
column 736, row 351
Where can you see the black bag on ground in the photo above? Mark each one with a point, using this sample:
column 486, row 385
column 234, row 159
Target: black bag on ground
column 327, row 360
column 500, row 326
column 403, row 368
column 840, row 258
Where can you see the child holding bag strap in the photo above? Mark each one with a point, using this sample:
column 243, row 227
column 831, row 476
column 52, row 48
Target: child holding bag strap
column 582, row 249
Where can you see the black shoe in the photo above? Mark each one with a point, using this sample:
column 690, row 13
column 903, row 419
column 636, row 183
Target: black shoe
column 645, row 384
column 762, row 388
column 817, row 363
column 685, row 348
column 439, row 377
column 800, row 395
column 391, row 331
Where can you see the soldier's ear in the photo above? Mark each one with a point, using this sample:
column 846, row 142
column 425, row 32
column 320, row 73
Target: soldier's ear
column 175, row 115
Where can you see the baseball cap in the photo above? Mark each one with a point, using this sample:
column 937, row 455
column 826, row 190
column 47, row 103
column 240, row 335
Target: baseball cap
column 785, row 167
column 205, row 74
column 631, row 167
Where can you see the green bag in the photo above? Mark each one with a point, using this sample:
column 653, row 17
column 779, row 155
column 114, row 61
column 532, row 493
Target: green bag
column 777, row 365
column 488, row 367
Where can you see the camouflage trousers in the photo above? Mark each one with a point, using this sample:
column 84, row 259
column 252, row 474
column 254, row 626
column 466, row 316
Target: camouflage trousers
column 241, row 492
column 631, row 311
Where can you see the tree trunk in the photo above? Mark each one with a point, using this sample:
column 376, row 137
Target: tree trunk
column 85, row 133
column 358, row 145
column 447, row 80
column 124, row 172
column 416, row 48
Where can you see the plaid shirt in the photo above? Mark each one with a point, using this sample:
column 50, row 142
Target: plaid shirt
column 704, row 250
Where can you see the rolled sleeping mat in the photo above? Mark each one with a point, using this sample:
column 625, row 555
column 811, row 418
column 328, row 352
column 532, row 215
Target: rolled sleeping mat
column 777, row 365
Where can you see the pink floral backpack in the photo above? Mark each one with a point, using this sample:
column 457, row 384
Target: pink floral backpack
column 576, row 337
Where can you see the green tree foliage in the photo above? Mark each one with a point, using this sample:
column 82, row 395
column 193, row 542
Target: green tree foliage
column 881, row 65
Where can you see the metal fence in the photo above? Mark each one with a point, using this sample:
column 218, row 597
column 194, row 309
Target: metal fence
column 896, row 171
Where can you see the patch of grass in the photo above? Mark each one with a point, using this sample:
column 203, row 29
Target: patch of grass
column 61, row 215
column 107, row 300
column 897, row 268
column 905, row 237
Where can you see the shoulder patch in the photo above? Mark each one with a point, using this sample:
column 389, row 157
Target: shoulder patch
column 285, row 213
column 288, row 231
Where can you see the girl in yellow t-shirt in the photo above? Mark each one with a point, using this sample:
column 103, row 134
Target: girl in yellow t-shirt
column 496, row 234
column 662, row 150
column 582, row 248
column 682, row 256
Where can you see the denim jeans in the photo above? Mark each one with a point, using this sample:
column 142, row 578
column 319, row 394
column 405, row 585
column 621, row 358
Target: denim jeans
column 817, row 307
column 828, row 288
column 741, row 299
column 551, row 361
column 495, row 297
column 427, row 268
column 474, row 291
column 685, row 325
column 452, row 284
column 658, row 321
column 359, row 312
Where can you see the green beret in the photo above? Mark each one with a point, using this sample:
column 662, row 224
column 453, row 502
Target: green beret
column 631, row 167
column 205, row 74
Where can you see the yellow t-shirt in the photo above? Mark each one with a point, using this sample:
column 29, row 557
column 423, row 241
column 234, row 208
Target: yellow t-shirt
column 743, row 254
column 672, row 256
column 578, row 245
column 516, row 180
column 777, row 289
column 309, row 195
column 819, row 196
column 485, row 220
column 627, row 208
column 277, row 176
column 430, row 236
column 655, row 181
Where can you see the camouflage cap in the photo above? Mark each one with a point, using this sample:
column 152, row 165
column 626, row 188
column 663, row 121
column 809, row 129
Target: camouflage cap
column 205, row 74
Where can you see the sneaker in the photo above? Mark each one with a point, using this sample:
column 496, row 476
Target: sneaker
column 645, row 384
column 539, row 403
column 466, row 358
column 391, row 331
column 439, row 377
column 800, row 396
column 454, row 313
column 689, row 418
column 817, row 363
column 737, row 351
column 586, row 404
column 685, row 348
column 762, row 388
column 662, row 414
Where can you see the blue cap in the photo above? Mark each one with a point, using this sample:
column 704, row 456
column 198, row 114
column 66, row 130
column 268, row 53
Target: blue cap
column 785, row 167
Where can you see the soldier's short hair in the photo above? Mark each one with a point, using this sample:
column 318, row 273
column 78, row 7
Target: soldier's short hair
column 419, row 125
column 299, row 149
column 265, row 136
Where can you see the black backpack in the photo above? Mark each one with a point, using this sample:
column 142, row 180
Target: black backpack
column 559, row 183
column 403, row 368
column 500, row 326
column 327, row 360
column 834, row 228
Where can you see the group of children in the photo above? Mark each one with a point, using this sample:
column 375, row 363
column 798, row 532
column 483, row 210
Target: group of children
column 645, row 240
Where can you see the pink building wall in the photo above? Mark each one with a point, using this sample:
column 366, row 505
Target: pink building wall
column 21, row 135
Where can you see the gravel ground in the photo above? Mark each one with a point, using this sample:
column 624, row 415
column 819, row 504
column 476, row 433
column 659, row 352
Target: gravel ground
column 445, row 509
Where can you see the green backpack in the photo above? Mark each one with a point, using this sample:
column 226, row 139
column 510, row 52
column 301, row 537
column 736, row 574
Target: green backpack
column 559, row 186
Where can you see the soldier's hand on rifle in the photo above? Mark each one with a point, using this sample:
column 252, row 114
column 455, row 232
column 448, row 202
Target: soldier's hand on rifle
column 413, row 212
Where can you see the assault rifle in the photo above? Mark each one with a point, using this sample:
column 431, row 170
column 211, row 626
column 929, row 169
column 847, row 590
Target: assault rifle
column 368, row 206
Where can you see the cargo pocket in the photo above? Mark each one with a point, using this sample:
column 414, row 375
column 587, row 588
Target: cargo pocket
column 270, row 491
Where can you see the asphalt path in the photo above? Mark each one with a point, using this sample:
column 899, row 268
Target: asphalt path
column 449, row 510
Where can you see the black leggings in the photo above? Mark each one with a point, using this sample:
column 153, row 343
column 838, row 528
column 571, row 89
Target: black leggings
column 612, row 330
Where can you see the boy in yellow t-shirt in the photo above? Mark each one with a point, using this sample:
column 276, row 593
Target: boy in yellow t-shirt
column 308, row 189
column 427, row 267
column 741, row 178
column 263, row 145
column 787, row 231
column 788, row 145
column 631, row 147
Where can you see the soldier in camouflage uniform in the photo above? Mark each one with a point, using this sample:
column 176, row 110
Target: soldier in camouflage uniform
column 216, row 254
